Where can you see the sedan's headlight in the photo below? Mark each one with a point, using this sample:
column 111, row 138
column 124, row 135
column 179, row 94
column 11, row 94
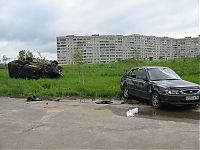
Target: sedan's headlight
column 172, row 92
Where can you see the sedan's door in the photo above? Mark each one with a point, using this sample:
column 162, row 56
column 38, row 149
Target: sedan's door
column 142, row 84
column 131, row 81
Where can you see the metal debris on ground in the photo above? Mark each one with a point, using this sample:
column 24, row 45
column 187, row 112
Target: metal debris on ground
column 103, row 102
column 32, row 98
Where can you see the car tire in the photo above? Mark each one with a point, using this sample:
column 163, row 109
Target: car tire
column 155, row 100
column 126, row 93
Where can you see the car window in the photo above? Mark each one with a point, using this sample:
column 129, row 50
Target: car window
column 163, row 74
column 141, row 74
column 133, row 73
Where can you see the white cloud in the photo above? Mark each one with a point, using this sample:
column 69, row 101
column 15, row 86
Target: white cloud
column 34, row 24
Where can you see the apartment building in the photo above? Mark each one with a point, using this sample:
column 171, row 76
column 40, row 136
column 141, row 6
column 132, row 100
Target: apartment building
column 110, row 48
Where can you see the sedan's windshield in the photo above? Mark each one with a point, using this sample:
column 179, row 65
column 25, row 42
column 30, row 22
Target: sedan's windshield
column 162, row 74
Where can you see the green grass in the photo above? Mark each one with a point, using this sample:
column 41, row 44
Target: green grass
column 100, row 80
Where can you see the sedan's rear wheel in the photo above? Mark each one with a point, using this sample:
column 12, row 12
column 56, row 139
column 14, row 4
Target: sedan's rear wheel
column 155, row 99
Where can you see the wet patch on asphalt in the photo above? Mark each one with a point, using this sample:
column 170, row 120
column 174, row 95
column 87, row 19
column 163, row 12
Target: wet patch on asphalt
column 177, row 114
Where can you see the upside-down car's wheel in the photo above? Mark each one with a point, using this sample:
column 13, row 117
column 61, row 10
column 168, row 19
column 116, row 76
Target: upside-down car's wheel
column 155, row 100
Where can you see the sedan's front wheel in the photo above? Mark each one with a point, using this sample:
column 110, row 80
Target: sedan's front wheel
column 126, row 93
column 155, row 99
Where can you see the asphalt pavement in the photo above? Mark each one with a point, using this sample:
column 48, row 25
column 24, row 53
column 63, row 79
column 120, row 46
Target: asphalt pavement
column 75, row 124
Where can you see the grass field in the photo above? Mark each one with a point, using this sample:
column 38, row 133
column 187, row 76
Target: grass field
column 95, row 80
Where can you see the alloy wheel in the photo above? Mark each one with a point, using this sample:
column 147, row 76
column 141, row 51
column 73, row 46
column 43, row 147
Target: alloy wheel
column 155, row 100
column 126, row 95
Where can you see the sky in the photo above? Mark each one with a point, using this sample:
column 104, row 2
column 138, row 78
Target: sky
column 34, row 24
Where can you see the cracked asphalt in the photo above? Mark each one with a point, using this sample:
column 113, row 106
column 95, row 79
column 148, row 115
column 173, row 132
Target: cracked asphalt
column 71, row 124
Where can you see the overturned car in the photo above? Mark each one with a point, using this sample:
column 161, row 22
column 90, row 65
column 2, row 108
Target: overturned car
column 30, row 69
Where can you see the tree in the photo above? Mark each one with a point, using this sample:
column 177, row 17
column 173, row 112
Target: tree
column 39, row 61
column 5, row 59
column 78, row 56
column 29, row 54
column 23, row 54
column 78, row 59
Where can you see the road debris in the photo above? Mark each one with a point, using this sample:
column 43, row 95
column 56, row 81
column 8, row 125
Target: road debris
column 103, row 101
column 33, row 98
column 132, row 112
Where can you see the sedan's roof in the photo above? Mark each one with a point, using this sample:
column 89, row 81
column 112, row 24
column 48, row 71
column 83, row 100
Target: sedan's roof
column 149, row 67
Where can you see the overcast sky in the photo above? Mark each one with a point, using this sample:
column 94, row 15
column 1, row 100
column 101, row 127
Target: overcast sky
column 34, row 24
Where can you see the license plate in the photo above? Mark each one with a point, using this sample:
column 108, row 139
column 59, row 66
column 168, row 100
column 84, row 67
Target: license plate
column 192, row 97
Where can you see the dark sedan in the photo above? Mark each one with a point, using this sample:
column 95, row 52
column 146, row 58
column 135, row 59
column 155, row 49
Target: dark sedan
column 159, row 85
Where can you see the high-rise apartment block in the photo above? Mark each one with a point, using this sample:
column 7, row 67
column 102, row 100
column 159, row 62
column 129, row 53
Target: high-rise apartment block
column 110, row 48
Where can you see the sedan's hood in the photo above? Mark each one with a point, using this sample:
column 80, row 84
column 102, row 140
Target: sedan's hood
column 176, row 83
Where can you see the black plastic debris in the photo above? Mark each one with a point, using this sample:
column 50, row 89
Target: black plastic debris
column 33, row 98
column 103, row 102
column 28, row 69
